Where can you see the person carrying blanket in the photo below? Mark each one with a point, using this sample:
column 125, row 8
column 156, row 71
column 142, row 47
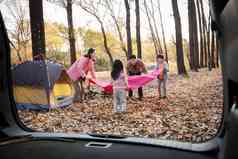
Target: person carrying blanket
column 134, row 82
column 135, row 67
column 79, row 70
column 119, row 87
column 163, row 76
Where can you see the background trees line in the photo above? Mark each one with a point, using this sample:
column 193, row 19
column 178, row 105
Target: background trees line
column 203, row 46
column 202, row 51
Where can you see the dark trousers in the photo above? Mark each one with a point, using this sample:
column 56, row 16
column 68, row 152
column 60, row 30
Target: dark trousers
column 79, row 91
column 140, row 91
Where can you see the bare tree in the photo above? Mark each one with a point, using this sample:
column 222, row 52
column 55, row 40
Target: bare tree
column 196, row 46
column 163, row 34
column 193, row 36
column 201, row 61
column 179, row 42
column 151, row 27
column 20, row 36
column 128, row 28
column 138, row 36
column 109, row 5
column 68, row 5
column 92, row 8
column 152, row 14
column 217, row 51
column 209, row 43
column 204, row 33
column 37, row 29
column 213, row 50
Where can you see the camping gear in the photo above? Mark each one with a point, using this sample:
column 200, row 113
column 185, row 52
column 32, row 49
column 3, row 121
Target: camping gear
column 134, row 82
column 41, row 85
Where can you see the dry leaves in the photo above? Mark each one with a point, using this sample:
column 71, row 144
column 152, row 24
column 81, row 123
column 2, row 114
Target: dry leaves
column 191, row 113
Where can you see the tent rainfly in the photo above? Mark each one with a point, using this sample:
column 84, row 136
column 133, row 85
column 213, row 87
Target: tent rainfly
column 41, row 85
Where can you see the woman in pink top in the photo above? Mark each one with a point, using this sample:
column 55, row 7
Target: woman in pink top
column 79, row 70
column 119, row 87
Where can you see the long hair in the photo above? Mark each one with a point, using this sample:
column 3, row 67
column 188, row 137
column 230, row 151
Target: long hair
column 89, row 53
column 117, row 68
column 161, row 56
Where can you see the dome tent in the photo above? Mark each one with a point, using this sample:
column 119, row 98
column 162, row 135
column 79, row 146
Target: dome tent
column 41, row 85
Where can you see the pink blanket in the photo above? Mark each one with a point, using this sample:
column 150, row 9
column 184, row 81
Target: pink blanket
column 134, row 82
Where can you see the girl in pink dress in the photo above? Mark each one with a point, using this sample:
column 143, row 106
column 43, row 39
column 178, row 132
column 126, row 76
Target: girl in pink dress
column 119, row 87
column 79, row 70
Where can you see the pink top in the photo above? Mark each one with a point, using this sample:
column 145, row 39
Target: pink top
column 120, row 83
column 81, row 68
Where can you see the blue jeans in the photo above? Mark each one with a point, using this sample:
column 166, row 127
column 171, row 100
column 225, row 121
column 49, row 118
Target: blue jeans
column 162, row 87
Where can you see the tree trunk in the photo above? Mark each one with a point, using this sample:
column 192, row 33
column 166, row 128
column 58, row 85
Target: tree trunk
column 37, row 28
column 188, row 57
column 128, row 28
column 151, row 28
column 217, row 52
column 204, row 24
column 209, row 52
column 71, row 32
column 208, row 45
column 138, row 36
column 19, row 55
column 213, row 50
column 201, row 64
column 205, row 48
column 163, row 34
column 102, row 30
column 195, row 32
column 157, row 37
column 17, row 49
column 193, row 37
column 123, row 47
column 105, row 42
column 179, row 42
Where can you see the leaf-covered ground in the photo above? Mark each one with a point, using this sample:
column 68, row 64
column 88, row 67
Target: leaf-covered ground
column 192, row 112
